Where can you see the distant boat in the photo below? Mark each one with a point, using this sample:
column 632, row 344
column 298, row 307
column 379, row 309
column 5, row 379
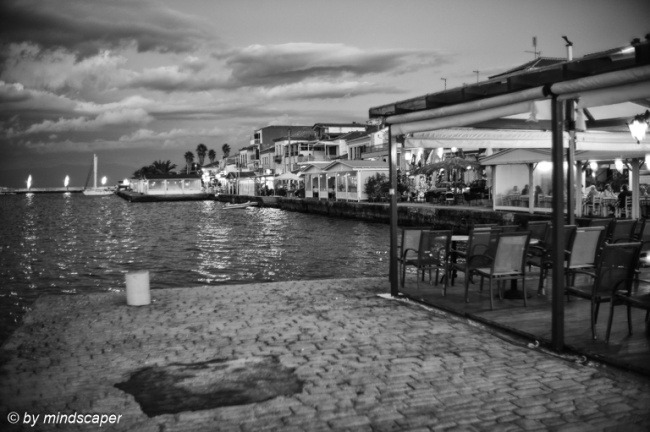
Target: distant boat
column 238, row 206
column 95, row 191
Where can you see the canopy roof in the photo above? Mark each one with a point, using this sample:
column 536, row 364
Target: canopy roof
column 356, row 165
column 529, row 84
column 476, row 138
column 524, row 156
column 287, row 176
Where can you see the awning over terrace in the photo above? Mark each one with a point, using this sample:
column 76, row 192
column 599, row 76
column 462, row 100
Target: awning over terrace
column 476, row 138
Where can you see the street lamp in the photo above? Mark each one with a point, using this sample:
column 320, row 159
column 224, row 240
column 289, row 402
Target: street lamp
column 639, row 126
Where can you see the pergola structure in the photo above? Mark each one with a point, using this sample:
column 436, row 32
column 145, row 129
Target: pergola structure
column 582, row 86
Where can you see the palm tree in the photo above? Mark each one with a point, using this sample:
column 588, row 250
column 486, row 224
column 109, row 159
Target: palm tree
column 226, row 150
column 189, row 158
column 201, row 150
column 142, row 172
column 212, row 155
column 163, row 167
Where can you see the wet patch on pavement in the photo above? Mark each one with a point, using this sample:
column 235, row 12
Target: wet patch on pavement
column 179, row 387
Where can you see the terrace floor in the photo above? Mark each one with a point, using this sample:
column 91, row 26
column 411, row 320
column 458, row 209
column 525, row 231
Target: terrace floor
column 631, row 352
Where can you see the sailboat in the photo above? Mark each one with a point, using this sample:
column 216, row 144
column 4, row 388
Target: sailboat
column 95, row 191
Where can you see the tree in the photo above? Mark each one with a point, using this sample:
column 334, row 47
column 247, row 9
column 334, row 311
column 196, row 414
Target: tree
column 142, row 172
column 163, row 167
column 226, row 150
column 212, row 155
column 189, row 158
column 201, row 151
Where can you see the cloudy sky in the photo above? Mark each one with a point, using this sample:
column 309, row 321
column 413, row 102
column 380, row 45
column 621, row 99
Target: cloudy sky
column 141, row 80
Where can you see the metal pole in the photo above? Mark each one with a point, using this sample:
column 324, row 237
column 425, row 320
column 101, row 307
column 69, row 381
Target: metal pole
column 557, row 252
column 392, row 170
column 572, row 196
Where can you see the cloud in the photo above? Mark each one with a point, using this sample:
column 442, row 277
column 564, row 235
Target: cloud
column 123, row 117
column 326, row 90
column 177, row 133
column 59, row 70
column 273, row 65
column 173, row 79
column 86, row 27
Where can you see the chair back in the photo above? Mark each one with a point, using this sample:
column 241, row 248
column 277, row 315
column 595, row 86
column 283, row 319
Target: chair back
column 485, row 225
column 606, row 222
column 410, row 243
column 478, row 242
column 616, row 268
column 508, row 228
column 568, row 233
column 623, row 230
column 434, row 247
column 585, row 246
column 641, row 229
column 510, row 252
column 538, row 229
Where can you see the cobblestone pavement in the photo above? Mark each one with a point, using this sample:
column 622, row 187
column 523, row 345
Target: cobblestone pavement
column 365, row 362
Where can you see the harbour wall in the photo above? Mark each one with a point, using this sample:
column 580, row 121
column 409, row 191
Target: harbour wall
column 457, row 218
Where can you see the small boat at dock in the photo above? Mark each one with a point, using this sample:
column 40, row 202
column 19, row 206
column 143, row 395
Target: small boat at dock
column 95, row 191
column 239, row 206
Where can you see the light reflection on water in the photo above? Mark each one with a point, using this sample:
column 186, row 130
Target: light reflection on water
column 70, row 243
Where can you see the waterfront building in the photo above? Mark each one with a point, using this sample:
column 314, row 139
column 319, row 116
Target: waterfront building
column 169, row 184
column 345, row 179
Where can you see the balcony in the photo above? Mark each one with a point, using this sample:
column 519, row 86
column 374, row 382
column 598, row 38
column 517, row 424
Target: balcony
column 374, row 151
column 277, row 159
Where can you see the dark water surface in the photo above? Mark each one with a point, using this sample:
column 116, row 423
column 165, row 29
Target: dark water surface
column 71, row 243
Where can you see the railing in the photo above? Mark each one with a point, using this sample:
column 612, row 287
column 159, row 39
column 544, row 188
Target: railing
column 375, row 149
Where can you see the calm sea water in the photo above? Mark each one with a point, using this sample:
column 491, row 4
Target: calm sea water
column 67, row 244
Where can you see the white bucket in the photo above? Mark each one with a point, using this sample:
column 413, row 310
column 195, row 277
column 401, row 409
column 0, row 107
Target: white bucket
column 137, row 288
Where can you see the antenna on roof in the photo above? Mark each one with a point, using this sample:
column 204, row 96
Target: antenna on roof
column 535, row 53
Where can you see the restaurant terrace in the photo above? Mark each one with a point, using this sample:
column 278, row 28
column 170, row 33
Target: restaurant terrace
column 565, row 109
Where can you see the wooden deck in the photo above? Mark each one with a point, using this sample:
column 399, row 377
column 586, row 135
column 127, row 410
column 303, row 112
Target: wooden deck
column 534, row 322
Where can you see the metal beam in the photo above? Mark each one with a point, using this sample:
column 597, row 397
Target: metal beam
column 557, row 251
column 392, row 169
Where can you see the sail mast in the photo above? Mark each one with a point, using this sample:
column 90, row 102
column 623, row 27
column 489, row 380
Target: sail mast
column 95, row 169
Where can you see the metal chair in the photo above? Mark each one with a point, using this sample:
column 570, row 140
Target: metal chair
column 632, row 296
column 478, row 246
column 627, row 208
column 508, row 262
column 539, row 231
column 584, row 249
column 541, row 255
column 408, row 248
column 594, row 206
column 432, row 254
column 623, row 230
column 614, row 271
column 608, row 223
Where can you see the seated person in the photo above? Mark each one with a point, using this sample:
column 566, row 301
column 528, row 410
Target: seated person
column 620, row 202
column 608, row 192
column 592, row 192
column 524, row 191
